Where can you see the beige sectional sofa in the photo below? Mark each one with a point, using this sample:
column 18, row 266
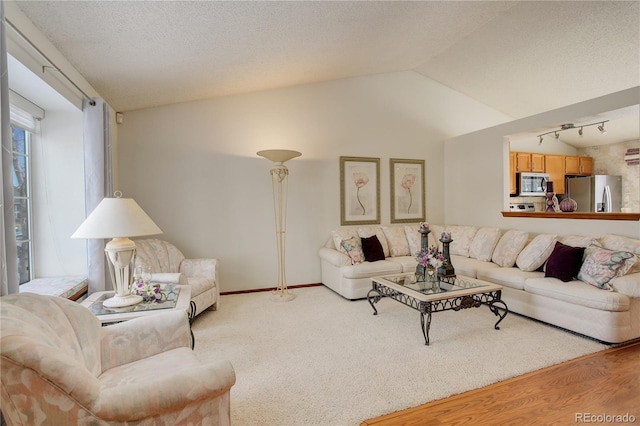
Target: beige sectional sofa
column 596, row 305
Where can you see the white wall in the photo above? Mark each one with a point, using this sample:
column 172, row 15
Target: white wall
column 193, row 166
column 477, row 166
column 58, row 195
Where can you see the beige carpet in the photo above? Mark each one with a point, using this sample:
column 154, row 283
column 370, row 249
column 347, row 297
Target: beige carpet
column 324, row 360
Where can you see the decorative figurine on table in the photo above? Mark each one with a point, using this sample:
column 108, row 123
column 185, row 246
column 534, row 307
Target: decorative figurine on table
column 552, row 199
column 446, row 270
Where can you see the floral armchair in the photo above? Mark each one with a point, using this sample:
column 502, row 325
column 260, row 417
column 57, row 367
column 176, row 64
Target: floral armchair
column 168, row 265
column 60, row 367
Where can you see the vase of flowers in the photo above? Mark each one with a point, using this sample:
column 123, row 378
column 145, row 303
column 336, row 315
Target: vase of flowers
column 429, row 259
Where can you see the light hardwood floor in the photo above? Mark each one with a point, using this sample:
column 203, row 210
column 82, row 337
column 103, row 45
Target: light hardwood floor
column 574, row 392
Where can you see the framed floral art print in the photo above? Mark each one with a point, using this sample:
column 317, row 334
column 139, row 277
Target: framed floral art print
column 359, row 190
column 407, row 190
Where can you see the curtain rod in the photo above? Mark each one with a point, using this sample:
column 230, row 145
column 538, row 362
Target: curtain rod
column 51, row 63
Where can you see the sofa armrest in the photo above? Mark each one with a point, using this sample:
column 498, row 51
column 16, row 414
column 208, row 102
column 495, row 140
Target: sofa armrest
column 334, row 257
column 143, row 337
column 169, row 278
column 207, row 268
column 629, row 285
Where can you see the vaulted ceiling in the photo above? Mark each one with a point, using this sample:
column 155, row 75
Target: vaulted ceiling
column 519, row 57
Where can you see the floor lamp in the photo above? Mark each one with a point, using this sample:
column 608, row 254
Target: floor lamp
column 279, row 177
column 118, row 218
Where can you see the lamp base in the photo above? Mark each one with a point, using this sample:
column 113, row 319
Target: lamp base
column 122, row 301
column 282, row 295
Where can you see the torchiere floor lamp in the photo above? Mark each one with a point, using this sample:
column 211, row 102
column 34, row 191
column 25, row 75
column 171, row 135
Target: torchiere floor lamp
column 279, row 177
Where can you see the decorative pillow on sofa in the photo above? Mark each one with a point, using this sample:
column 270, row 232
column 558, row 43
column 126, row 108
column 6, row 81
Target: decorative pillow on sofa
column 353, row 247
column 622, row 243
column 483, row 243
column 434, row 236
column 367, row 231
column 397, row 240
column 536, row 252
column 509, row 247
column 340, row 235
column 413, row 238
column 602, row 265
column 564, row 262
column 578, row 241
column 372, row 249
column 462, row 237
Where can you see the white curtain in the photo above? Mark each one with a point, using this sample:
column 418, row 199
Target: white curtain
column 8, row 247
column 98, row 182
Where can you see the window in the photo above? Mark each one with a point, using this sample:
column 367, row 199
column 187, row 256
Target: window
column 22, row 201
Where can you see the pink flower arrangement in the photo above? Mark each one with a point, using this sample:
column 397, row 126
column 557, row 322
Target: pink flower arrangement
column 430, row 258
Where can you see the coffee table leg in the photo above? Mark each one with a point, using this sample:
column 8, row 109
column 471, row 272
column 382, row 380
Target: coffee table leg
column 374, row 299
column 425, row 325
column 500, row 311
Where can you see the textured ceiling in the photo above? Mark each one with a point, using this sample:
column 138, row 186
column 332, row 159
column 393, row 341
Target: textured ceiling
column 521, row 58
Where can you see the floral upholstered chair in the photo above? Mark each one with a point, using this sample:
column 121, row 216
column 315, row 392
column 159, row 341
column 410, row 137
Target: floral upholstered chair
column 168, row 265
column 60, row 367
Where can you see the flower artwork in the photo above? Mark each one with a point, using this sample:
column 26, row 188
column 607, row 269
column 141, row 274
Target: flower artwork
column 359, row 190
column 407, row 182
column 360, row 179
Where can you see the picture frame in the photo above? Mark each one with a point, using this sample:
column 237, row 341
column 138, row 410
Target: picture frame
column 359, row 190
column 407, row 190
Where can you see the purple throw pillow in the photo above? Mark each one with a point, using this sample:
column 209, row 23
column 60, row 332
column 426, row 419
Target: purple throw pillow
column 564, row 262
column 372, row 249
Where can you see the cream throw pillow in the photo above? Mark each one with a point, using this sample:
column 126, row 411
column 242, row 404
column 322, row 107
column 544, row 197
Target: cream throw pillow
column 414, row 239
column 397, row 240
column 536, row 252
column 509, row 247
column 339, row 235
column 483, row 243
column 462, row 237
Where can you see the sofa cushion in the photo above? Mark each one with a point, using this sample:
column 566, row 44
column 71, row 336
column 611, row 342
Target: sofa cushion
column 367, row 231
column 536, row 252
column 414, row 238
column 462, row 237
column 578, row 293
column 340, row 235
column 602, row 265
column 372, row 249
column 508, row 277
column 578, row 241
column 484, row 242
column 370, row 269
column 408, row 263
column 509, row 247
column 397, row 240
column 564, row 262
column 621, row 243
column 468, row 266
column 627, row 284
column 353, row 247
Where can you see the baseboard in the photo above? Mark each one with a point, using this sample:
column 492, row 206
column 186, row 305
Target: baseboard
column 257, row 290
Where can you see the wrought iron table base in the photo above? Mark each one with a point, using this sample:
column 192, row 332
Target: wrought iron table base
column 490, row 298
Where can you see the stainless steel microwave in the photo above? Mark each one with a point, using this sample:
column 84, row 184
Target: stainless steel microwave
column 532, row 184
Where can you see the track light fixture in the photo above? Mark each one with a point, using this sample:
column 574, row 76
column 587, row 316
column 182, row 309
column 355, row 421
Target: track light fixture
column 570, row 126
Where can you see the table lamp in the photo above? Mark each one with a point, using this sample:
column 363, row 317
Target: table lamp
column 118, row 218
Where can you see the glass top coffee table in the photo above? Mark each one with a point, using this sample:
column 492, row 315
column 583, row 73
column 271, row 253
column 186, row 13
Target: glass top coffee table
column 450, row 293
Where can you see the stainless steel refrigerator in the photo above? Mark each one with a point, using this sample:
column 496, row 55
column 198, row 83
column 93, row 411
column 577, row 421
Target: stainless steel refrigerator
column 597, row 193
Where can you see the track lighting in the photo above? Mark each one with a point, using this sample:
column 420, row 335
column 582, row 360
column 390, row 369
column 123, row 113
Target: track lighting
column 601, row 128
column 570, row 126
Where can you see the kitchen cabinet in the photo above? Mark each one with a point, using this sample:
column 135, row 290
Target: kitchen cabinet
column 554, row 166
column 512, row 173
column 574, row 165
column 529, row 162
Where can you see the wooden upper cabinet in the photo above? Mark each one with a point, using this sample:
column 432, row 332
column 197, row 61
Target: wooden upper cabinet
column 574, row 165
column 554, row 166
column 512, row 173
column 529, row 162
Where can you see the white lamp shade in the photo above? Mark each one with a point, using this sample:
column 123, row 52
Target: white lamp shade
column 117, row 218
column 278, row 155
